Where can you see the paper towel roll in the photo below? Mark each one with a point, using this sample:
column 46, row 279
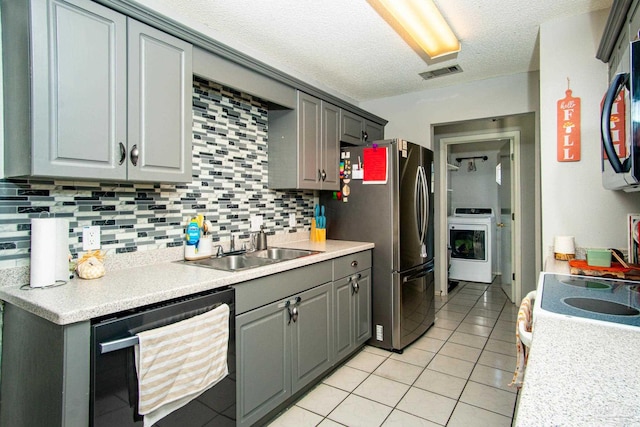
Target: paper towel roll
column 49, row 251
column 564, row 247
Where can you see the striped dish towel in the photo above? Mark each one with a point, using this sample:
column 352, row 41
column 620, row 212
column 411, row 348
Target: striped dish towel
column 178, row 362
column 523, row 324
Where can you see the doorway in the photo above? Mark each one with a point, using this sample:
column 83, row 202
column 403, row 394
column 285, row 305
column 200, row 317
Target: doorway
column 510, row 189
column 480, row 175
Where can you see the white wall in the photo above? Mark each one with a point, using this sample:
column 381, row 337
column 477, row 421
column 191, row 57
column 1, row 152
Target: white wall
column 476, row 188
column 412, row 115
column 573, row 199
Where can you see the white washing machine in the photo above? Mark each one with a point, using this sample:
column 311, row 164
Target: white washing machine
column 472, row 240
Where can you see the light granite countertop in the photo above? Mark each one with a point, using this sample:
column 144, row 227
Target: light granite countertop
column 125, row 288
column 580, row 372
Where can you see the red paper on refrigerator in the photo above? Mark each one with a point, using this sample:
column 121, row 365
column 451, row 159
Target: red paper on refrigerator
column 375, row 165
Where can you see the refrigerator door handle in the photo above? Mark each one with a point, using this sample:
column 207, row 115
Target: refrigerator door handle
column 416, row 275
column 425, row 183
column 424, row 210
column 417, row 197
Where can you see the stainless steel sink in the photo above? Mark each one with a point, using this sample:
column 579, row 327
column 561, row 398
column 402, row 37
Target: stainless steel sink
column 251, row 259
column 232, row 262
column 281, row 254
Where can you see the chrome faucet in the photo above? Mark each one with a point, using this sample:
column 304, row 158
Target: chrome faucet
column 219, row 251
column 232, row 244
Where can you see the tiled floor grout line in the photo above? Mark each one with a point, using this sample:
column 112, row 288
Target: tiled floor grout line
column 475, row 364
column 450, row 300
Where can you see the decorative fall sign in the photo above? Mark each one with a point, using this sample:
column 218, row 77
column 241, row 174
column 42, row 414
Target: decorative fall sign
column 569, row 128
column 617, row 122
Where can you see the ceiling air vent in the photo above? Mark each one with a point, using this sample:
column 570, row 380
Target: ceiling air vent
column 441, row 72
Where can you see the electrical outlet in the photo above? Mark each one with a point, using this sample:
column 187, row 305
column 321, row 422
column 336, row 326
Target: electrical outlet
column 256, row 222
column 90, row 237
column 292, row 220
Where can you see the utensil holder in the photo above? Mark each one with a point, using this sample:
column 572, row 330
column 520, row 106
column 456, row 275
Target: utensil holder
column 317, row 234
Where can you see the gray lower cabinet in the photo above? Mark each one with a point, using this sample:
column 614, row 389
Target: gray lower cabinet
column 352, row 302
column 84, row 98
column 282, row 347
column 293, row 327
column 45, row 375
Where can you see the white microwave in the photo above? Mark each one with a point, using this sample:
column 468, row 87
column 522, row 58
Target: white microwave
column 622, row 171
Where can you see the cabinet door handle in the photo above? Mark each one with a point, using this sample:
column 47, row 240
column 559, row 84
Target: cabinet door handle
column 365, row 136
column 293, row 314
column 123, row 154
column 135, row 153
column 292, row 308
column 323, row 175
column 355, row 286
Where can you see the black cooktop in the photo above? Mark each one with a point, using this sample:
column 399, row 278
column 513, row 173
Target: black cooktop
column 608, row 300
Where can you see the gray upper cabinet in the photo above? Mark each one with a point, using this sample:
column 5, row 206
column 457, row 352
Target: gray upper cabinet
column 160, row 113
column 357, row 130
column 304, row 145
column 330, row 146
column 373, row 131
column 83, row 94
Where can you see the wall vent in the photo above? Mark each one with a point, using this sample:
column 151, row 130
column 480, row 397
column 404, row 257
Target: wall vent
column 427, row 75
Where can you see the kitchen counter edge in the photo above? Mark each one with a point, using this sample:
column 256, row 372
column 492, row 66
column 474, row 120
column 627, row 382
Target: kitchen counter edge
column 551, row 395
column 81, row 300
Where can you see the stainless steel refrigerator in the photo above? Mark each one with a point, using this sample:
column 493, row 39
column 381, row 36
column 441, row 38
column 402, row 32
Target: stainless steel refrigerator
column 393, row 208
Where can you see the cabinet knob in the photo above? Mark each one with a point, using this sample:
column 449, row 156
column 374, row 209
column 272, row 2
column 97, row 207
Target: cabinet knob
column 123, row 154
column 365, row 136
column 324, row 175
column 135, row 153
column 354, row 263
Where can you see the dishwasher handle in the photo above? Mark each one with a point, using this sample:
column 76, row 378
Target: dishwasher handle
column 130, row 341
column 108, row 347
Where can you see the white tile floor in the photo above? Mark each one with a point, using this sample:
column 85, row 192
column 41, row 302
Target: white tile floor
column 457, row 374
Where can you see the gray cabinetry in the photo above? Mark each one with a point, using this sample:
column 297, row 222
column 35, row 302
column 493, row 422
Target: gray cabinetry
column 83, row 94
column 304, row 145
column 357, row 130
column 623, row 25
column 312, row 330
column 373, row 131
column 292, row 327
column 51, row 364
column 281, row 348
column 263, row 366
column 159, row 109
column 352, row 303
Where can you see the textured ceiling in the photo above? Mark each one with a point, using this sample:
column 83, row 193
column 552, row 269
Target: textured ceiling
column 345, row 47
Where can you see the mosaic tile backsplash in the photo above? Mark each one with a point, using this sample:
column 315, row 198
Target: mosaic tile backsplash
column 229, row 186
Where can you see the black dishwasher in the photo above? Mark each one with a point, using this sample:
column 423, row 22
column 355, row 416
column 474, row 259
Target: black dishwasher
column 113, row 399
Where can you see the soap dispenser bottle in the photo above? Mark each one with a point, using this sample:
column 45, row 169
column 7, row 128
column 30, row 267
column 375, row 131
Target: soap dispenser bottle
column 261, row 241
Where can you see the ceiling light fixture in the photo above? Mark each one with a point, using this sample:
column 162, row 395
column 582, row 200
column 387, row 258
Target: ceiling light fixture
column 422, row 22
